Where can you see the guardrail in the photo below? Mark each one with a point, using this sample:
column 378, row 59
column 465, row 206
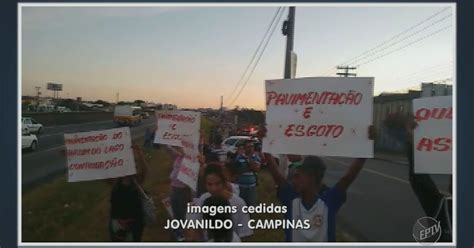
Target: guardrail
column 56, row 119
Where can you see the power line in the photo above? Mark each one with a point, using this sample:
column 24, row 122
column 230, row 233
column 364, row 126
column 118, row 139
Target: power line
column 258, row 59
column 426, row 69
column 255, row 53
column 430, row 74
column 405, row 46
column 400, row 34
column 399, row 41
column 328, row 72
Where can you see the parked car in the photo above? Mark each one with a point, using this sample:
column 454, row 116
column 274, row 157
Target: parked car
column 28, row 140
column 32, row 125
column 233, row 142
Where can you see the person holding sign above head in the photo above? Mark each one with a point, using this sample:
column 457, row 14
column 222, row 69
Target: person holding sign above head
column 126, row 208
column 248, row 164
column 216, row 186
column 428, row 194
column 307, row 201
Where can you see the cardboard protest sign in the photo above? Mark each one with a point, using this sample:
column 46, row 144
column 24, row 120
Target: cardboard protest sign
column 99, row 154
column 189, row 170
column 173, row 125
column 433, row 136
column 167, row 203
column 319, row 116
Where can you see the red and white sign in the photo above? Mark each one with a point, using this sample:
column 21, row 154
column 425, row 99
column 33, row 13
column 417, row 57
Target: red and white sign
column 99, row 154
column 172, row 126
column 189, row 170
column 433, row 136
column 319, row 116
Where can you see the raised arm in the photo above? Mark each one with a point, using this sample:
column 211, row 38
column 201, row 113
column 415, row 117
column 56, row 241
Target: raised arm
column 425, row 189
column 272, row 167
column 355, row 168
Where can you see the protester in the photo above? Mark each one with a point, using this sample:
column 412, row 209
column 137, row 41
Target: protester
column 149, row 137
column 248, row 164
column 126, row 209
column 305, row 200
column 428, row 194
column 180, row 192
column 216, row 185
column 229, row 171
column 223, row 234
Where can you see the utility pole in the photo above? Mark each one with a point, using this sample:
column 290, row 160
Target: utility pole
column 288, row 30
column 346, row 71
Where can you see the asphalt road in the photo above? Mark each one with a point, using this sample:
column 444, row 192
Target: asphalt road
column 381, row 205
column 48, row 160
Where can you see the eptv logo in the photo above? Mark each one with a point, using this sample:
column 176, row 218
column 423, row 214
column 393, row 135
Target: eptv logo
column 427, row 230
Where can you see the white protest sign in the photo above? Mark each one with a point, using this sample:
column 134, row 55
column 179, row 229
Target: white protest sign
column 99, row 154
column 433, row 136
column 319, row 116
column 167, row 203
column 189, row 171
column 174, row 125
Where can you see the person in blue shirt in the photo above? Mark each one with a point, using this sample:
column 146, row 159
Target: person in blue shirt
column 247, row 165
column 307, row 198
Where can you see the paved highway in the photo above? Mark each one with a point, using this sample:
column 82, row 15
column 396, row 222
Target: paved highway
column 380, row 205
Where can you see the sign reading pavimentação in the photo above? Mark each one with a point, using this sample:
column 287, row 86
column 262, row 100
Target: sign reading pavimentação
column 319, row 116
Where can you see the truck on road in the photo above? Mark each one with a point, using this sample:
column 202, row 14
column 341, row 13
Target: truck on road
column 127, row 115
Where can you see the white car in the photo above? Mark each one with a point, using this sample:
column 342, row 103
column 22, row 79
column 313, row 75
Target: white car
column 32, row 125
column 28, row 140
column 233, row 142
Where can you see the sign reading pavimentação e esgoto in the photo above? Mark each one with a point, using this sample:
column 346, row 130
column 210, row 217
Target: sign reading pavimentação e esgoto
column 319, row 116
column 99, row 154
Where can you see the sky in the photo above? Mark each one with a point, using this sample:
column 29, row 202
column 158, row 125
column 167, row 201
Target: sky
column 191, row 56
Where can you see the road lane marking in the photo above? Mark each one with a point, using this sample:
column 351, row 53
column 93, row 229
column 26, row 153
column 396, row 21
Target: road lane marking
column 79, row 124
column 372, row 171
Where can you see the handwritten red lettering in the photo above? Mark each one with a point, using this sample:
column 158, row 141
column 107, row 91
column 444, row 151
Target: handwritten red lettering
column 171, row 136
column 307, row 112
column 439, row 144
column 177, row 118
column 424, row 114
column 315, row 98
column 329, row 130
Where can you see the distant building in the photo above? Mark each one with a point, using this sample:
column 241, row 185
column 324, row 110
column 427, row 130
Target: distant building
column 431, row 89
column 387, row 104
